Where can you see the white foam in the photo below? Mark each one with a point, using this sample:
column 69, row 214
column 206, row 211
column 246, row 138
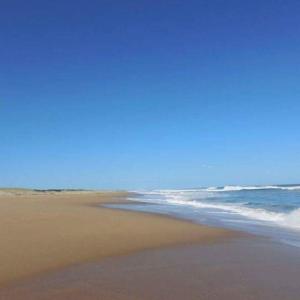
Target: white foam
column 290, row 220
column 185, row 197
column 226, row 188
column 232, row 188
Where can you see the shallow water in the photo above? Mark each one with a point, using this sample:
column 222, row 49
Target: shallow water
column 272, row 211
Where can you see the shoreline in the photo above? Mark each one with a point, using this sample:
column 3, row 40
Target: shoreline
column 50, row 230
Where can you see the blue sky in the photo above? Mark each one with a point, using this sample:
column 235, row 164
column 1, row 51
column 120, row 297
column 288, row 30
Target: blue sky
column 149, row 94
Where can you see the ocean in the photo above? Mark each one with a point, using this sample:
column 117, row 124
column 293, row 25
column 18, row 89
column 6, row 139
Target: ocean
column 272, row 211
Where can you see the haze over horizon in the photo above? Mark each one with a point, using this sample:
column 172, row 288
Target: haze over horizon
column 138, row 95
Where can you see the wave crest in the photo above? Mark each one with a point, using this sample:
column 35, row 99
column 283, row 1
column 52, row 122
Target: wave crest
column 291, row 220
column 232, row 188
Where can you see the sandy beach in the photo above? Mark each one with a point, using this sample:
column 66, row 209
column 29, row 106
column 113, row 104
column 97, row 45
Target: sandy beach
column 150, row 150
column 67, row 245
column 46, row 231
column 242, row 269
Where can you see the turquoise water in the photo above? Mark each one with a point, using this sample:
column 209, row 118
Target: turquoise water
column 272, row 211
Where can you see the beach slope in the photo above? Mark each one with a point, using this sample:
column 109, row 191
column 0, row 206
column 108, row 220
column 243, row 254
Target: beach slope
column 47, row 230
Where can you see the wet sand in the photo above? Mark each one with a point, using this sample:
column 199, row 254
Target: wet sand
column 48, row 231
column 240, row 269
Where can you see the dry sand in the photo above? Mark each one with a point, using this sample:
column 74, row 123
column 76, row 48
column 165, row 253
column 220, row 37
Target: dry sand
column 50, row 230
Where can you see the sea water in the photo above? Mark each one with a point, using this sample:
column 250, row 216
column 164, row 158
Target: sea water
column 272, row 211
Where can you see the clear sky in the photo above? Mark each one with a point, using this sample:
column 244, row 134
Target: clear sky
column 149, row 94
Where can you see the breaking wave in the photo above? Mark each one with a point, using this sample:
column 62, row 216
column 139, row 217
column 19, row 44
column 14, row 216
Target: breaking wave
column 291, row 219
column 232, row 188
column 279, row 209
